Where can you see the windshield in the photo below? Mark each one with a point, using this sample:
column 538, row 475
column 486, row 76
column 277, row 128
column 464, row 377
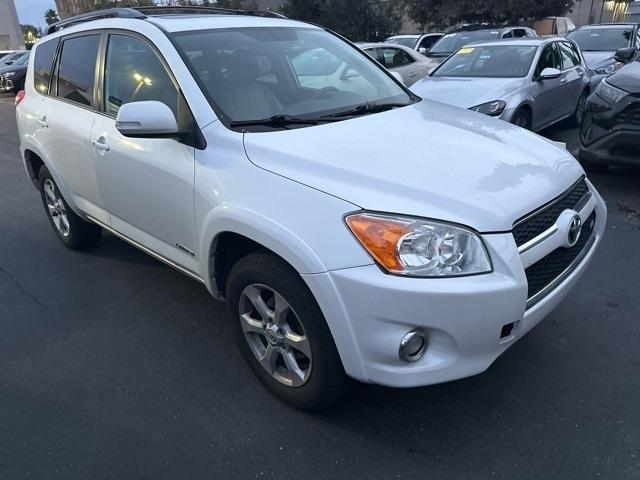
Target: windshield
column 14, row 57
column 501, row 61
column 453, row 41
column 404, row 41
column 252, row 74
column 601, row 39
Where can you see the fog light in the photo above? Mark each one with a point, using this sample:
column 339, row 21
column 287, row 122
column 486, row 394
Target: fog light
column 413, row 346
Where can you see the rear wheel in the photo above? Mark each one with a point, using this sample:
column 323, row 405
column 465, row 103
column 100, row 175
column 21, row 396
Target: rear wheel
column 522, row 118
column 73, row 231
column 282, row 333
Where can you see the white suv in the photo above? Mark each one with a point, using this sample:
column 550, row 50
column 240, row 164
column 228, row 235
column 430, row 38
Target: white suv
column 353, row 229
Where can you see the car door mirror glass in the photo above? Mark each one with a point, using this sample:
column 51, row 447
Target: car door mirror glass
column 146, row 119
column 550, row 73
column 625, row 55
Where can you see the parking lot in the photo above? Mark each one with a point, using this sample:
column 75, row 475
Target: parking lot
column 113, row 365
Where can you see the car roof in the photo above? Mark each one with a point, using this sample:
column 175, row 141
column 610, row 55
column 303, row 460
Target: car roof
column 407, row 35
column 383, row 45
column 530, row 41
column 607, row 25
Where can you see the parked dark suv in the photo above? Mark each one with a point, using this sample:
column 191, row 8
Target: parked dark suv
column 610, row 131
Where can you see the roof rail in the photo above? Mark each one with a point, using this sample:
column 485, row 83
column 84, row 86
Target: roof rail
column 98, row 14
column 142, row 12
column 203, row 10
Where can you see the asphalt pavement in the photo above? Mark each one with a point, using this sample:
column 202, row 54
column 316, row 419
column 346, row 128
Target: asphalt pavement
column 113, row 365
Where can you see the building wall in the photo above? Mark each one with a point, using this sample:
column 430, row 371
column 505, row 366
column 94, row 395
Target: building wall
column 585, row 12
column 11, row 37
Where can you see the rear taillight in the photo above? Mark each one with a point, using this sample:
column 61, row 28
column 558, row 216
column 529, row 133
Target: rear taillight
column 19, row 97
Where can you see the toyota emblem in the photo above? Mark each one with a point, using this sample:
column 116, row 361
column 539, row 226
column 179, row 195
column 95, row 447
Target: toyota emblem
column 575, row 227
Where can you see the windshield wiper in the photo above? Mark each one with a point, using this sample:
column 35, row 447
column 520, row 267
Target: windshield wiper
column 278, row 121
column 366, row 108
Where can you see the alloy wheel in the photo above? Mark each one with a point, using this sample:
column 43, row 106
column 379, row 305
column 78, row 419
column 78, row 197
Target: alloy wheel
column 275, row 335
column 56, row 208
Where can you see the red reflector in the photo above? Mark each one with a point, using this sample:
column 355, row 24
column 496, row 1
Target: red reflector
column 19, row 97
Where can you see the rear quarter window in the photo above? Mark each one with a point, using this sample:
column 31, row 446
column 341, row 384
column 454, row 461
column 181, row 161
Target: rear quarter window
column 77, row 69
column 42, row 64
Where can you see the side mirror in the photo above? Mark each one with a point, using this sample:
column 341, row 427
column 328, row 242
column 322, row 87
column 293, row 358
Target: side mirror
column 146, row 119
column 625, row 55
column 397, row 76
column 550, row 73
column 422, row 50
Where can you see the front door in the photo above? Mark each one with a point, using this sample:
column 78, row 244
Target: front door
column 147, row 183
column 548, row 93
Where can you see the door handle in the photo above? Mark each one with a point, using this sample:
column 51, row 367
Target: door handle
column 563, row 80
column 100, row 145
column 43, row 122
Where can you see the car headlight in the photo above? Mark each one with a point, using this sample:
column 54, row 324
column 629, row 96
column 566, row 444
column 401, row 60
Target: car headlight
column 609, row 69
column 493, row 109
column 608, row 92
column 419, row 248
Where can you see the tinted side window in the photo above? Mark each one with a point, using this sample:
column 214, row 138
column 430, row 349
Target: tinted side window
column 134, row 73
column 427, row 42
column 549, row 58
column 77, row 69
column 569, row 57
column 45, row 53
column 394, row 57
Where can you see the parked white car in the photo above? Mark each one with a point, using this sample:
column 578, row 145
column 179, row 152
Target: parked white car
column 342, row 246
column 406, row 62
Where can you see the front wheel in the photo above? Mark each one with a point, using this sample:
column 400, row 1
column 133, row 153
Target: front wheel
column 282, row 332
column 578, row 116
column 522, row 118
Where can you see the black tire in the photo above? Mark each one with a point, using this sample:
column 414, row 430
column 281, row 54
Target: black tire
column 80, row 234
column 326, row 381
column 578, row 116
column 522, row 118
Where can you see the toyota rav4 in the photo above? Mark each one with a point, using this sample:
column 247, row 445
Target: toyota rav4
column 352, row 228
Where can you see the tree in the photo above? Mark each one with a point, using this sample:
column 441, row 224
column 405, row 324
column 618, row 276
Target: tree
column 358, row 20
column 444, row 13
column 238, row 4
column 101, row 4
column 51, row 16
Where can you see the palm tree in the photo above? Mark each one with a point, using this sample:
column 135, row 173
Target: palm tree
column 51, row 16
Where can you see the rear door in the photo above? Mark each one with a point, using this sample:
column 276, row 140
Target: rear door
column 67, row 116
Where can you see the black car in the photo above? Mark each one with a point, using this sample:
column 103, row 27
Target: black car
column 12, row 79
column 610, row 132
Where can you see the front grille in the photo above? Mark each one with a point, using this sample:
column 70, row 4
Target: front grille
column 631, row 114
column 546, row 270
column 533, row 224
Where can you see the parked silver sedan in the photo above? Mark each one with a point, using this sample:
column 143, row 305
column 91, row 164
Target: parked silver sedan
column 409, row 64
column 532, row 82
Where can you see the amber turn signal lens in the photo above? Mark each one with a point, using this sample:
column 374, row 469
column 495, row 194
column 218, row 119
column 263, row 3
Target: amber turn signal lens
column 380, row 237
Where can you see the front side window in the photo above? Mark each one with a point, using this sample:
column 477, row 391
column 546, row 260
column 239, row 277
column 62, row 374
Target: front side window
column 394, row 57
column 77, row 69
column 134, row 73
column 428, row 41
column 601, row 38
column 549, row 58
column 252, row 73
column 45, row 55
column 497, row 61
column 569, row 57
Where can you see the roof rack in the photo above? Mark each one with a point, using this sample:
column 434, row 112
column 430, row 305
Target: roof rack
column 141, row 13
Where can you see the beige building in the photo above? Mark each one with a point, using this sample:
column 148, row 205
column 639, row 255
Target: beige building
column 585, row 12
column 11, row 37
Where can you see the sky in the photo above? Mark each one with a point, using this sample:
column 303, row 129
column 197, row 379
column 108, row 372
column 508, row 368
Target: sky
column 32, row 11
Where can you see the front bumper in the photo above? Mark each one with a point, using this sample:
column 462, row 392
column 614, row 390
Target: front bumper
column 369, row 312
column 610, row 133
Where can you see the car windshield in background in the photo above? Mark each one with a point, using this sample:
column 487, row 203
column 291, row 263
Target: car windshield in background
column 601, row 39
column 453, row 41
column 280, row 76
column 500, row 61
column 404, row 41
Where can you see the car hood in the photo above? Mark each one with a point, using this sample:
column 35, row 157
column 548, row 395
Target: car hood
column 12, row 68
column 598, row 59
column 428, row 160
column 465, row 92
column 627, row 78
